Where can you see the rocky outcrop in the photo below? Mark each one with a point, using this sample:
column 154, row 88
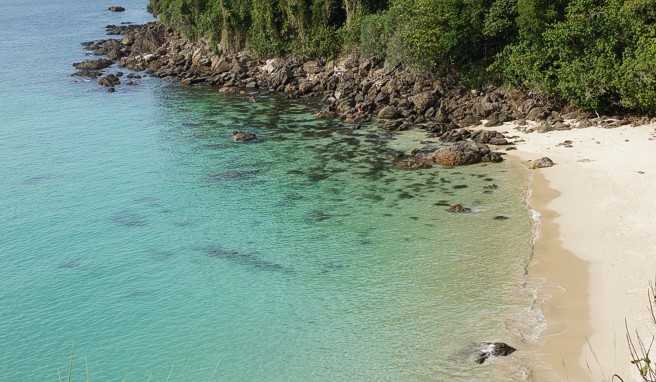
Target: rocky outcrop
column 460, row 153
column 354, row 88
column 98, row 64
column 489, row 137
column 388, row 112
column 465, row 153
column 109, row 81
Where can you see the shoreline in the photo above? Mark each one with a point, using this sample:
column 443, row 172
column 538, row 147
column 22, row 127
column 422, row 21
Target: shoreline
column 586, row 286
column 583, row 283
column 558, row 293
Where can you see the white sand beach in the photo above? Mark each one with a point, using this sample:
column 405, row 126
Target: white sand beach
column 596, row 252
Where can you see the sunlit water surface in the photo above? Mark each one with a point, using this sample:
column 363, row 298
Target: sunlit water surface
column 137, row 237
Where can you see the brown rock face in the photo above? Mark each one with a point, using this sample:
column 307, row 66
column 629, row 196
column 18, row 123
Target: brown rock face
column 422, row 101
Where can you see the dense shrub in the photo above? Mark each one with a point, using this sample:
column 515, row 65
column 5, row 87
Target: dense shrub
column 598, row 54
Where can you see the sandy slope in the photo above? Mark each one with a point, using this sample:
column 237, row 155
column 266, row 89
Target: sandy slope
column 597, row 249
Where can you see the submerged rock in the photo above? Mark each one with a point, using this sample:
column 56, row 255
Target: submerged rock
column 88, row 73
column 459, row 209
column 493, row 349
column 413, row 163
column 243, row 136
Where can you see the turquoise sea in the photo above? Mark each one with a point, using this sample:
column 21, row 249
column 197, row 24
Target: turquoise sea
column 138, row 242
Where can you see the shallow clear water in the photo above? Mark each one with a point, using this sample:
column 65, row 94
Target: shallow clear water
column 135, row 235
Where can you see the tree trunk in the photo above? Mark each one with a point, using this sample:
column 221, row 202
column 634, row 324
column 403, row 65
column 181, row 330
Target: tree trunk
column 351, row 8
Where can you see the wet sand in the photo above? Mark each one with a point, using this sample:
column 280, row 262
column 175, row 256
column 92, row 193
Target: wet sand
column 562, row 282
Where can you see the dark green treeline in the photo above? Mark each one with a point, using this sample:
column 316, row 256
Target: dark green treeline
column 600, row 55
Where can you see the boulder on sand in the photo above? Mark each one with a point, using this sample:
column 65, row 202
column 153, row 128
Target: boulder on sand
column 493, row 349
column 540, row 163
column 489, row 137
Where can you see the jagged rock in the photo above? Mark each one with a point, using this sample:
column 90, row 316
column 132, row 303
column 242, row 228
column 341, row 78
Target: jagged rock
column 312, row 67
column 456, row 135
column 496, row 119
column 98, row 64
column 490, row 137
column 493, row 349
column 109, row 81
column 388, row 112
column 422, row 101
column 540, row 163
column 88, row 73
column 305, row 87
column 354, row 88
column 148, row 39
column 465, row 153
column 243, row 136
column 537, row 114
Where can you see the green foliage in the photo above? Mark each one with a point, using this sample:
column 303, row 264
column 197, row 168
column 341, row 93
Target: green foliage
column 374, row 35
column 598, row 54
column 438, row 33
column 500, row 20
column 637, row 79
